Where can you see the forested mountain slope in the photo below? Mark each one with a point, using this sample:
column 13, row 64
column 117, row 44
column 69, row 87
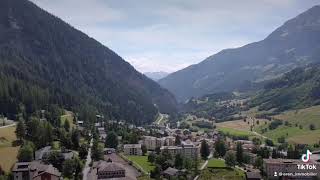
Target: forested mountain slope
column 297, row 89
column 43, row 60
column 296, row 43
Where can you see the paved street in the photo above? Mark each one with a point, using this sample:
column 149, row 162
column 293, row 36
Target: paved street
column 88, row 161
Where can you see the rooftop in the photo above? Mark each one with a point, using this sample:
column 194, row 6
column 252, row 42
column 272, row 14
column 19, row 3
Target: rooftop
column 132, row 146
column 108, row 166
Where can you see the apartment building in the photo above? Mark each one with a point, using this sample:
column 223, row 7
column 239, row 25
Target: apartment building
column 132, row 149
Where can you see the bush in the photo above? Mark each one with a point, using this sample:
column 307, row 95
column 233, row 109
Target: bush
column 312, row 127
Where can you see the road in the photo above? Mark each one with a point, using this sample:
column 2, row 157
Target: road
column 161, row 118
column 204, row 165
column 86, row 168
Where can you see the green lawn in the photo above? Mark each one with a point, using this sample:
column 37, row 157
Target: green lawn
column 216, row 163
column 235, row 132
column 142, row 161
column 222, row 174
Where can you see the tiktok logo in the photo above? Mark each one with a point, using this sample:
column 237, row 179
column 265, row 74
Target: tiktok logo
column 306, row 157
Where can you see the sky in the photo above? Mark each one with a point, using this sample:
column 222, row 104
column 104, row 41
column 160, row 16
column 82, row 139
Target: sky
column 168, row 35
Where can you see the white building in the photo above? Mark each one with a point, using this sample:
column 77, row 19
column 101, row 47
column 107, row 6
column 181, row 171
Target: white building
column 132, row 149
column 188, row 149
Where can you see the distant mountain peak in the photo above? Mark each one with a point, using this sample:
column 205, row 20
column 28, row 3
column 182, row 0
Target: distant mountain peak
column 156, row 75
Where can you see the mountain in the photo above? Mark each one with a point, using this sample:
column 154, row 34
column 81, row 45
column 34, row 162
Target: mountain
column 299, row 88
column 156, row 75
column 44, row 60
column 296, row 43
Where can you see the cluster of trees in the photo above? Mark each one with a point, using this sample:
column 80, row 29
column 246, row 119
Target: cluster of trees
column 164, row 160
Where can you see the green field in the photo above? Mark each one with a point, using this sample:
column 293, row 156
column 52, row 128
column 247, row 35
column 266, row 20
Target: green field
column 303, row 117
column 216, row 163
column 293, row 133
column 142, row 161
column 222, row 174
column 235, row 132
column 8, row 153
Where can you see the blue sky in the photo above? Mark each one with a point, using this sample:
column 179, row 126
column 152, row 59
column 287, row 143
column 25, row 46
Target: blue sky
column 168, row 35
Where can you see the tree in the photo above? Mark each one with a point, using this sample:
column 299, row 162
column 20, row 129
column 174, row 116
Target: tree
column 151, row 157
column 55, row 158
column 112, row 140
column 49, row 133
column 83, row 151
column 157, row 150
column 187, row 163
column 155, row 173
column 275, row 154
column 220, row 148
column 68, row 168
column 178, row 161
column 230, row 158
column 21, row 130
column 204, row 150
column 178, row 140
column 66, row 125
column 259, row 163
column 312, row 127
column 239, row 153
column 75, row 137
column 25, row 153
column 269, row 142
column 144, row 149
column 97, row 151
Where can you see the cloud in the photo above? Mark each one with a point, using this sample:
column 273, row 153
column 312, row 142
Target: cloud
column 168, row 35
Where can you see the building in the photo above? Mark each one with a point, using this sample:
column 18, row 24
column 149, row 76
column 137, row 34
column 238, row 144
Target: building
column 170, row 141
column 253, row 176
column 315, row 156
column 172, row 173
column 152, row 143
column 190, row 150
column 35, row 171
column 106, row 170
column 187, row 149
column 132, row 149
column 272, row 168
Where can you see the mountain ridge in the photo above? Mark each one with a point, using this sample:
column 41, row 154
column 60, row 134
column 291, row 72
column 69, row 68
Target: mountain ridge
column 255, row 62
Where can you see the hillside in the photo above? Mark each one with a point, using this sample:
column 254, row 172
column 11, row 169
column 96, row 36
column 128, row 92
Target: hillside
column 43, row 60
column 296, row 43
column 297, row 89
column 156, row 75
